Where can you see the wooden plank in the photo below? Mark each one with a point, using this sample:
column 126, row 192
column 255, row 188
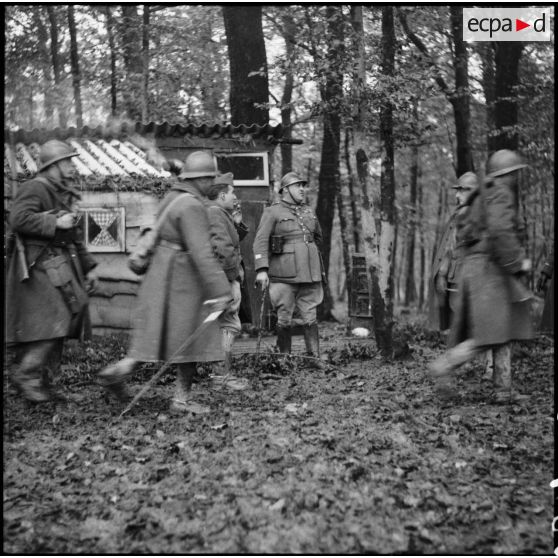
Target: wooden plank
column 109, row 289
column 113, row 266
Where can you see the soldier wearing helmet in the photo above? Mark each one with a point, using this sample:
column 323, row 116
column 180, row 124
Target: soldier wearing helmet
column 445, row 264
column 50, row 302
column 287, row 259
column 184, row 273
column 493, row 304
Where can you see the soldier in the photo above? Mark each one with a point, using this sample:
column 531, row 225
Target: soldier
column 184, row 272
column 50, row 276
column 227, row 230
column 493, row 306
column 287, row 259
column 446, row 262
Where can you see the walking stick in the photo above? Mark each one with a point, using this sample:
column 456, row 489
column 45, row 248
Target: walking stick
column 261, row 320
column 211, row 318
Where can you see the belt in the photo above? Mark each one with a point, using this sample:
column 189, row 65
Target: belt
column 305, row 237
column 172, row 245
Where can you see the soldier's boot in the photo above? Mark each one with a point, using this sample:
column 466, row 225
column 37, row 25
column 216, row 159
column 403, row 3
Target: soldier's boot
column 312, row 342
column 502, row 377
column 284, row 337
column 446, row 363
column 182, row 398
column 27, row 376
column 113, row 377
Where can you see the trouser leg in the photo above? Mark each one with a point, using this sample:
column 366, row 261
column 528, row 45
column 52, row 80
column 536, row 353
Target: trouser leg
column 311, row 339
column 282, row 297
column 184, row 380
column 227, row 336
column 28, row 375
column 502, row 377
column 51, row 370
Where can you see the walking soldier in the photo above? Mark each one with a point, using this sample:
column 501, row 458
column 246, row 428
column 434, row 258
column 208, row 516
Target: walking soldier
column 50, row 274
column 184, row 272
column 287, row 259
column 493, row 306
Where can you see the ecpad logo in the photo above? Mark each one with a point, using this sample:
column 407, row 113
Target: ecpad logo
column 507, row 24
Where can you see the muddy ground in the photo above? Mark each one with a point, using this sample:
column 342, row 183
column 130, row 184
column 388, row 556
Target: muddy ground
column 361, row 458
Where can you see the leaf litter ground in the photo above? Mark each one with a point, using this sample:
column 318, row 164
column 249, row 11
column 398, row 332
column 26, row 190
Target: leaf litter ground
column 363, row 457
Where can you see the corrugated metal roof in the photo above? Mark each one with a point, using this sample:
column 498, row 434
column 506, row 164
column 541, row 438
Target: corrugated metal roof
column 110, row 150
column 95, row 158
column 158, row 129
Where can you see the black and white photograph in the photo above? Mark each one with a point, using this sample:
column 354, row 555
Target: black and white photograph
column 279, row 279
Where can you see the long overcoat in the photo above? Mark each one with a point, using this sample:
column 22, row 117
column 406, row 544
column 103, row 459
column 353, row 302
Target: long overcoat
column 492, row 305
column 300, row 235
column 176, row 284
column 35, row 308
column 225, row 241
column 439, row 310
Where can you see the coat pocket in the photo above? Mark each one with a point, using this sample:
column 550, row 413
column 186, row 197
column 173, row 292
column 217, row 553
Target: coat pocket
column 60, row 275
column 283, row 265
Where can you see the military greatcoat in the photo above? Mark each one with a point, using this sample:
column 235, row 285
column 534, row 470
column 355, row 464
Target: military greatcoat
column 36, row 310
column 225, row 241
column 492, row 306
column 299, row 235
column 183, row 274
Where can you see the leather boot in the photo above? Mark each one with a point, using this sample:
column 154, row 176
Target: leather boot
column 312, row 342
column 182, row 398
column 453, row 358
column 284, row 339
column 113, row 377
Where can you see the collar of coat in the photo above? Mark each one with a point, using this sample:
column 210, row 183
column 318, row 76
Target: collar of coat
column 189, row 188
column 211, row 203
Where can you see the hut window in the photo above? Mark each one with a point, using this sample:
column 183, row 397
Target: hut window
column 249, row 169
column 104, row 229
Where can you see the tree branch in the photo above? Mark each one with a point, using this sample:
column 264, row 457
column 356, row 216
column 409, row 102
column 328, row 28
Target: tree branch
column 424, row 51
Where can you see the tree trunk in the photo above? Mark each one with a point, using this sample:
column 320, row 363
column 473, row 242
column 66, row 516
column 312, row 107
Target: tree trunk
column 369, row 236
column 486, row 53
column 506, row 59
column 42, row 36
column 383, row 288
column 422, row 247
column 410, row 285
column 133, row 63
column 145, row 65
column 57, row 67
column 353, row 219
column 249, row 93
column 461, row 96
column 331, row 91
column 74, row 59
column 289, row 30
column 112, row 48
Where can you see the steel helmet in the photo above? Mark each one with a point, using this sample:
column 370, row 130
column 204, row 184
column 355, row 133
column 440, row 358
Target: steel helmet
column 199, row 164
column 53, row 151
column 467, row 181
column 289, row 179
column 502, row 162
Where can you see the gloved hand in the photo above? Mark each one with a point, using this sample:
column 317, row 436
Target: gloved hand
column 542, row 283
column 262, row 280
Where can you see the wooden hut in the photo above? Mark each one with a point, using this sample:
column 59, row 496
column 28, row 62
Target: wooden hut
column 122, row 177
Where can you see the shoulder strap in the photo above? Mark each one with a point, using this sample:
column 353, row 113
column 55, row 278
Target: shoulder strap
column 165, row 212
